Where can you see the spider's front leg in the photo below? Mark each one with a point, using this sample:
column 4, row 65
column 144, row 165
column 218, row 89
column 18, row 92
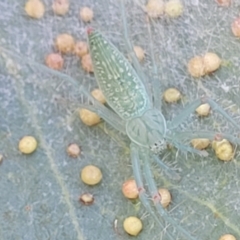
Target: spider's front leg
column 136, row 156
column 139, row 181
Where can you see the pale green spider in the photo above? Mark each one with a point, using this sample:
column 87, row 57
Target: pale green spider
column 143, row 123
column 139, row 117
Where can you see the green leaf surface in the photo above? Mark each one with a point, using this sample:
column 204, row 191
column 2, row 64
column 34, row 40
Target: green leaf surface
column 40, row 192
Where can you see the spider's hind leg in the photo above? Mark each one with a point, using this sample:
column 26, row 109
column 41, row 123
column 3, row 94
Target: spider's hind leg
column 95, row 106
column 137, row 66
column 108, row 115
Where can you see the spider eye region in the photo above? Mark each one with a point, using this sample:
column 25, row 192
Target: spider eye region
column 158, row 146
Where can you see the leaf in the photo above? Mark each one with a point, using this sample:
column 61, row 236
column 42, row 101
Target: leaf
column 40, row 192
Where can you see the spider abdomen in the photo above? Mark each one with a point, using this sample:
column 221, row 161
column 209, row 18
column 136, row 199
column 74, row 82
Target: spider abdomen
column 119, row 82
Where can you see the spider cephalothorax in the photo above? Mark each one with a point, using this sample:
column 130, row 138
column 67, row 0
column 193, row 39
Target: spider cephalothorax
column 148, row 130
column 158, row 146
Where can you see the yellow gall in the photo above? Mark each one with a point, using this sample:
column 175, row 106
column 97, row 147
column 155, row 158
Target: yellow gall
column 54, row 61
column 60, row 7
column 91, row 175
column 34, row 8
column 211, row 62
column 87, row 63
column 89, row 118
column 227, row 237
column 1, row 158
column 86, row 14
column 139, row 53
column 98, row 95
column 87, row 199
column 129, row 189
column 203, row 110
column 154, row 8
column 200, row 143
column 223, row 150
column 73, row 150
column 236, row 27
column 81, row 48
column 224, row 3
column 165, row 197
column 196, row 67
column 65, row 43
column 132, row 225
column 171, row 95
column 174, row 8
column 27, row 145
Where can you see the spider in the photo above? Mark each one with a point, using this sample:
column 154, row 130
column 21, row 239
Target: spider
column 139, row 116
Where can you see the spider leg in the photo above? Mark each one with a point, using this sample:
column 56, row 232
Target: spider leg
column 105, row 113
column 157, row 198
column 179, row 119
column 108, row 115
column 138, row 178
column 132, row 54
column 156, row 82
column 205, row 134
column 185, row 148
column 192, row 107
column 168, row 171
column 220, row 110
column 156, row 85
